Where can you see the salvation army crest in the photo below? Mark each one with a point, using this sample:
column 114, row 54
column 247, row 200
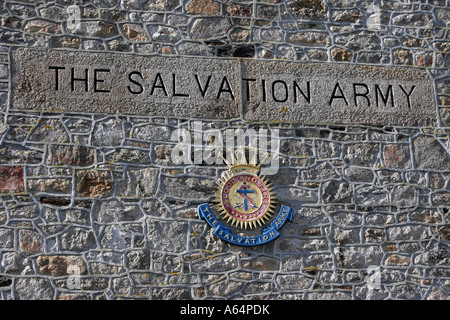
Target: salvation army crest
column 243, row 213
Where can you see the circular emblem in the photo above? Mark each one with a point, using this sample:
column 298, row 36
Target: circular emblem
column 245, row 199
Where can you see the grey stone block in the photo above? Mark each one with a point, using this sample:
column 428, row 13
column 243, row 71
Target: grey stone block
column 211, row 88
column 336, row 93
column 129, row 84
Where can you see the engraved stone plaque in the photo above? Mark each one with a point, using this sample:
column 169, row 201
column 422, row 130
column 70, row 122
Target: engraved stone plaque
column 129, row 84
column 315, row 93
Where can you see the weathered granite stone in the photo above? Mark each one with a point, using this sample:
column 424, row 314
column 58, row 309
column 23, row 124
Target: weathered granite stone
column 11, row 179
column 239, row 10
column 152, row 132
column 164, row 34
column 131, row 84
column 66, row 42
column 189, row 188
column 78, row 239
column 161, row 5
column 205, row 7
column 193, row 49
column 139, row 259
column 403, row 56
column 134, row 32
column 50, row 185
column 405, row 196
column 59, row 265
column 205, row 28
column 441, row 198
column 413, row 20
column 34, row 289
column 127, row 155
column 311, row 39
column 139, row 183
column 4, row 71
column 78, row 216
column 348, row 94
column 363, row 40
column 327, row 149
column 304, row 9
column 116, row 211
column 51, row 130
column 220, row 263
column 294, row 281
column 108, row 132
column 320, row 172
column 94, row 29
column 24, row 211
column 166, row 235
column 70, row 155
column 359, row 174
column 347, row 16
column 295, row 148
column 398, row 260
column 336, row 191
column 93, row 183
column 397, row 156
column 374, row 235
column 297, row 194
column 226, row 286
column 40, row 25
column 20, row 155
column 6, row 238
column 361, row 154
column 119, row 236
column 361, row 256
column 262, row 264
column 339, row 54
column 30, row 242
column 430, row 154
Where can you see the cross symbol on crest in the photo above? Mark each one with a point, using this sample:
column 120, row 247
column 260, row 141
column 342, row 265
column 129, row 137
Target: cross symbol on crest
column 243, row 191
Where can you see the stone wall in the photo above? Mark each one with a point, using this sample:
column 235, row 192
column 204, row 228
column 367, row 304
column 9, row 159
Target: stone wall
column 99, row 193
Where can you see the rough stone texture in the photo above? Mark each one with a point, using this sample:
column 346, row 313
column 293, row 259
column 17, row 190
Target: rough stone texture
column 70, row 155
column 59, row 185
column 159, row 86
column 336, row 97
column 115, row 211
column 347, row 94
column 206, row 7
column 11, row 179
column 430, row 154
column 139, row 183
column 50, row 130
column 30, row 242
column 166, row 236
column 397, row 156
column 78, row 239
column 34, row 289
column 97, row 188
column 93, row 183
column 59, row 265
column 308, row 9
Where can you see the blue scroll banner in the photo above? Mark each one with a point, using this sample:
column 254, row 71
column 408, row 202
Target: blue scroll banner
column 268, row 234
